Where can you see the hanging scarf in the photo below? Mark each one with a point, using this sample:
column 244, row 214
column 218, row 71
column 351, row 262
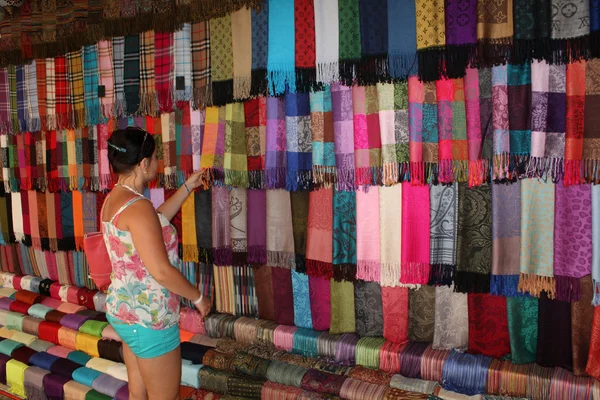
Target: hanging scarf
column 572, row 240
column 326, row 27
column 593, row 367
column 443, row 201
column 260, row 38
column 474, row 227
column 452, row 138
column 423, row 131
column 323, row 140
column 107, row 80
column 554, row 333
column 393, row 151
column 395, row 314
column 183, row 138
column 537, row 238
column 257, row 251
column 421, row 314
column 33, row 117
column 569, row 31
column 238, row 211
column 5, row 121
column 241, row 34
column 451, row 327
column 169, row 148
column 148, row 97
column 264, row 292
column 91, row 82
column 203, row 221
column 547, row 121
column 596, row 242
column 224, row 289
column 12, row 89
column 302, row 316
column 255, row 120
column 519, row 116
column 22, row 102
column 494, row 31
column 103, row 167
column 591, row 133
column 367, row 235
column 298, row 141
column 280, row 235
column 575, row 118
column 235, row 162
column 532, row 30
column 221, row 226
column 183, row 63
column 282, row 294
column 275, row 160
column 319, row 240
column 415, row 234
column 367, row 139
column 374, row 41
column 343, row 127
column 461, row 36
column 431, row 38
column 582, row 313
column 281, row 51
column 76, row 82
column 201, row 69
column 320, row 302
column 389, row 216
column 344, row 235
column 190, row 245
column 349, row 39
column 483, row 78
column 488, row 325
column 368, row 309
column 402, row 43
column 299, row 202
column 118, row 54
column 209, row 147
column 342, row 308
column 304, row 51
column 500, row 124
column 522, row 315
column 506, row 236
column 131, row 72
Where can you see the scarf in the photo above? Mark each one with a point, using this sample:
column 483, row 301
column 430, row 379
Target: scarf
column 451, row 327
column 595, row 242
column 148, row 96
column 393, row 150
column 281, row 52
column 169, row 148
column 238, row 211
column 368, row 254
column 368, row 309
column 298, row 141
column 572, row 239
column 319, row 240
column 325, row 25
column 402, row 45
column 91, row 81
column 575, row 117
column 500, row 124
column 264, row 292
column 342, row 308
column 282, row 294
column 547, row 121
column 33, row 117
column 519, row 115
column 452, row 140
column 344, row 235
column 241, row 34
column 569, row 31
column 235, row 161
column 12, row 89
column 415, row 234
column 343, row 128
column 532, row 30
column 224, row 291
column 554, row 344
column 367, row 139
column 255, row 120
column 374, row 41
column 395, row 314
column 494, row 31
column 423, row 131
column 443, row 202
column 582, row 313
column 76, row 83
column 349, row 39
column 131, row 73
column 593, row 368
column 461, row 36
column 41, row 87
column 22, row 101
column 280, row 236
column 522, row 313
column 302, row 316
column 421, row 314
column 203, row 222
column 591, row 133
column 221, row 226
column 189, row 239
column 275, row 160
column 201, row 68
column 323, row 140
column 389, row 216
column 5, row 121
column 474, row 227
column 107, row 79
column 320, row 302
column 537, row 238
column 431, row 38
column 506, row 239
column 257, row 251
column 488, row 325
column 260, row 38
column 299, row 202
column 183, row 63
column 118, row 54
column 209, row 147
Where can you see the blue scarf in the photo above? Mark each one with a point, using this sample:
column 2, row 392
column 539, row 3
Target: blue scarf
column 402, row 41
column 281, row 54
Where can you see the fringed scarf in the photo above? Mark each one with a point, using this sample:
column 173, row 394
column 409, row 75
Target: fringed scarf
column 299, row 202
column 103, row 165
column 343, row 129
column 298, row 141
column 421, row 314
column 522, row 313
column 188, row 227
column 537, row 238
column 209, row 146
column 183, row 133
column 452, row 138
column 443, row 200
column 22, row 102
column 506, row 239
column 423, row 128
column 283, row 299
column 591, row 133
column 33, row 118
column 415, row 234
column 548, row 111
column 257, row 229
column 474, row 248
column 349, row 39
column 519, row 117
column 394, row 137
column 596, row 242
column 395, row 314
column 275, row 156
column 327, row 32
column 344, row 236
column 368, row 255
column 238, row 215
column 255, row 118
column 570, row 30
column 76, row 82
column 572, row 239
column 367, row 138
column 201, row 69
column 260, row 39
column 368, row 309
column 342, row 308
column 183, row 63
column 281, row 51
column 302, row 316
column 241, row 33
column 221, row 226
column 323, row 139
column 169, row 147
column 374, row 41
column 12, row 90
column 532, row 30
column 575, row 122
column 500, row 124
column 390, row 229
column 451, row 329
column 41, row 84
column 264, row 292
column 494, row 31
column 554, row 344
column 582, row 313
column 320, row 302
column 431, row 38
column 197, row 119
column 280, row 235
column 203, row 221
column 461, row 36
column 319, row 240
column 305, row 46
column 118, row 54
column 235, row 161
column 5, row 121
column 148, row 97
column 131, row 73
column 488, row 325
column 402, row 40
column 91, row 77
column 107, row 79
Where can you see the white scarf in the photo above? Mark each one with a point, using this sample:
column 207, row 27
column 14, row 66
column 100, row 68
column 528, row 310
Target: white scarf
column 327, row 40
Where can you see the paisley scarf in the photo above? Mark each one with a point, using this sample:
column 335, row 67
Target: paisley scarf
column 275, row 155
column 488, row 325
column 238, row 211
column 421, row 314
column 344, row 235
column 390, row 232
column 235, row 161
column 500, row 124
column 343, row 129
column 395, row 314
column 368, row 309
column 477, row 115
column 591, row 132
column 423, row 129
column 451, row 326
column 319, row 241
column 298, row 141
column 393, row 121
column 323, row 145
column 443, row 202
column 302, row 316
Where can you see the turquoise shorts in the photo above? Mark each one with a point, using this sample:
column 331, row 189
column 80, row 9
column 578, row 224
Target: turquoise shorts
column 146, row 342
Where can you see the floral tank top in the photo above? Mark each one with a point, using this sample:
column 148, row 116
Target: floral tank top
column 134, row 296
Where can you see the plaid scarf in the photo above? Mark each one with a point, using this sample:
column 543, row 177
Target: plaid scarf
column 305, row 46
column 183, row 139
column 431, row 38
column 183, row 63
column 532, row 30
column 452, row 137
column 343, row 130
column 241, row 38
column 494, row 30
column 570, row 31
column 281, row 50
column 22, row 102
column 107, row 79
column 500, row 122
column 326, row 28
column 131, row 73
column 257, row 228
column 12, row 90
column 203, row 221
column 591, row 133
column 319, row 238
column 238, row 215
column 52, row 161
column 349, row 39
column 235, row 162
column 209, row 146
column 76, row 87
column 164, row 71
column 280, row 234
column 260, row 40
column 374, row 42
column 443, row 200
column 519, row 116
column 344, row 235
column 461, row 36
column 423, row 129
column 402, row 51
column 103, row 166
column 367, row 139
column 574, row 138
column 323, row 144
column 221, row 60
column 91, row 81
column 118, row 54
column 5, row 121
column 415, row 234
column 255, row 116
column 33, row 119
column 40, row 66
column 298, row 141
column 91, row 158
column 148, row 97
column 169, row 147
column 201, row 75
column 275, row 156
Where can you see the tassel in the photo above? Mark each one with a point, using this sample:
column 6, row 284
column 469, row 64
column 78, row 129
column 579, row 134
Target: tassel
column 344, row 272
column 319, row 269
column 536, row 284
column 390, row 275
column 441, row 274
column 368, row 270
column 281, row 259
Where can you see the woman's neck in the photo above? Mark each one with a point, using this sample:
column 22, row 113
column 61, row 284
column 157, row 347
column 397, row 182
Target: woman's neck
column 131, row 182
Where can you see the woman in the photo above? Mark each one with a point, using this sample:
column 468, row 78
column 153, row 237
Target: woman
column 143, row 299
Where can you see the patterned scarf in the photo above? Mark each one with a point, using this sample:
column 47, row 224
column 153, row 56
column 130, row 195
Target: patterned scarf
column 281, row 51
column 305, row 46
column 33, row 118
column 431, row 38
column 299, row 202
column 547, row 121
column 421, row 314
column 368, row 309
column 107, row 79
column 374, row 42
column 326, row 24
column 183, row 137
column 201, row 76
column 5, row 121
column 500, row 123
column 390, row 232
column 402, row 40
column 183, row 63
column 148, row 97
column 255, row 115
column 522, row 315
column 574, row 122
column 280, row 235
column 221, row 227
column 91, row 81
column 474, row 226
column 415, row 234
column 424, row 159
column 494, row 30
column 131, row 72
column 12, row 88
column 596, row 242
column 241, row 34
column 395, row 320
column 238, row 211
column 257, row 230
column 164, row 70
column 394, row 139
column 569, row 30
column 260, row 39
column 319, row 240
column 461, row 36
column 443, row 201
column 367, row 139
column 349, row 39
column 342, row 307
column 221, row 60
column 532, row 30
column 572, row 239
column 368, row 255
column 488, row 325
column 298, row 141
column 235, row 162
column 451, row 329
column 118, row 54
column 275, row 156
column 323, row 145
column 519, row 116
column 452, row 137
column 344, row 236
column 343, row 129
column 22, row 102
column 209, row 146
column 76, row 87
column 591, row 133
column 169, row 148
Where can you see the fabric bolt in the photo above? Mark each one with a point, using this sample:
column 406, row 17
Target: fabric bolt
column 322, row 382
column 281, row 49
column 466, row 373
column 395, row 316
column 554, row 344
column 75, row 391
column 413, row 385
column 411, row 359
column 431, row 36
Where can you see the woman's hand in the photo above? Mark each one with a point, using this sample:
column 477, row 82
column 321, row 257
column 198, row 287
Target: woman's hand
column 204, row 306
column 193, row 181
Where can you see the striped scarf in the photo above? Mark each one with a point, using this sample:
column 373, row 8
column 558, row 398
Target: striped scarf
column 40, row 66
column 118, row 54
column 183, row 63
column 33, row 118
column 148, row 99
column 5, row 122
column 164, row 77
column 201, row 76
column 393, row 122
column 76, row 87
column 12, row 87
column 107, row 79
column 91, row 82
column 22, row 103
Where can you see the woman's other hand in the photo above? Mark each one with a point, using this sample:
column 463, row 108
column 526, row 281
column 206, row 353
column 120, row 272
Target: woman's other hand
column 204, row 306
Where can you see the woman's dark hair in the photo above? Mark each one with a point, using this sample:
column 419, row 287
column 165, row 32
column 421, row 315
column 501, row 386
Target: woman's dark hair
column 128, row 147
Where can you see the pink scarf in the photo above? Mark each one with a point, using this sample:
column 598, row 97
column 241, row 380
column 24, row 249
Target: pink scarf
column 367, row 235
column 319, row 238
column 415, row 234
column 107, row 79
column 395, row 314
column 320, row 302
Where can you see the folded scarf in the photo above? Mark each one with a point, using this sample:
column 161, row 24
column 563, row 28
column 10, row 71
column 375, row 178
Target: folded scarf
column 443, row 233
column 431, row 38
column 323, row 140
column 275, row 155
column 319, row 241
column 75, row 78
column 221, row 226
column 260, row 39
column 394, row 137
column 326, row 27
column 488, row 325
column 283, row 296
column 474, row 248
column 582, row 313
column 367, row 139
column 367, row 235
column 554, row 344
column 320, row 302
column 280, row 235
column 349, row 39
column 235, row 161
column 591, row 133
column 22, row 102
column 569, row 32
column 201, row 66
column 368, row 309
column 91, row 77
column 415, row 234
column 494, row 31
column 255, row 116
column 342, row 308
column 238, row 210
column 5, row 121
column 298, row 141
column 344, row 235
column 302, row 316
column 461, row 36
column 241, row 33
column 300, row 202
column 107, row 80
column 395, row 314
column 389, row 216
column 595, row 242
column 281, row 50
column 257, row 231
column 183, row 63
column 33, row 117
column 451, row 327
column 131, row 72
column 12, row 89
column 402, row 45
column 537, row 238
column 574, row 134
column 148, row 97
column 421, row 314
column 531, row 30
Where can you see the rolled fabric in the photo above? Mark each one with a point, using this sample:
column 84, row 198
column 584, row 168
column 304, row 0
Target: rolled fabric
column 48, row 331
column 191, row 320
column 250, row 365
column 15, row 377
column 100, row 302
column 59, row 351
column 123, row 393
column 17, row 283
column 286, row 374
column 110, row 333
column 399, row 394
column 3, row 315
column 27, row 297
column 40, row 345
column 566, row 386
column 64, row 367
column 5, row 303
column 100, row 364
column 68, row 338
column 370, row 375
column 55, row 316
column 413, row 385
column 110, row 350
column 43, row 360
column 75, row 391
column 7, row 279
column 34, row 383
column 35, row 284
column 73, row 321
column 93, row 328
column 26, row 282
column 7, row 292
column 93, row 314
column 119, row 371
column 52, row 303
column 218, row 360
column 353, row 389
column 466, row 373
column 54, row 385
column 3, row 361
column 55, row 290
column 276, row 391
column 79, row 357
column 433, row 363
column 86, row 298
column 88, row 344
column 39, row 311
column 14, row 321
column 86, row 376
column 213, row 380
column 73, row 294
column 322, row 382
column 7, row 346
column 19, row 307
column 63, row 293
column 31, row 325
column 23, row 354
column 6, row 333
column 305, row 342
column 189, row 374
column 107, row 385
column 193, row 352
column 238, row 386
column 24, row 338
column 69, row 308
column 389, row 357
column 283, row 337
column 44, row 287
column 95, row 395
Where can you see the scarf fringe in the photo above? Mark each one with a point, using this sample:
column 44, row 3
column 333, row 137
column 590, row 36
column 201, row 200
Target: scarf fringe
column 306, row 80
column 492, row 52
column 93, row 115
column 298, row 180
column 369, row 176
column 566, row 51
column 324, row 176
column 275, row 178
column 41, row 184
column 402, row 65
column 373, row 69
column 190, row 253
column 441, row 274
column 34, row 124
column 300, row 263
column 596, row 300
column 524, row 50
column 573, row 172
column 509, row 167
column 344, row 272
column 257, row 255
column 546, row 167
column 471, row 282
column 53, row 244
column 368, row 270
column 222, row 92
column 120, row 107
column 591, row 171
column 328, row 72
column 236, row 178
column 148, row 104
column 223, row 256
column 478, row 172
column 458, row 58
column 66, row 244
column 431, row 63
column 34, row 393
column 95, row 184
column 106, row 180
column 240, row 259
column 415, row 273
column 256, row 179
column 107, row 110
column 504, row 285
column 536, row 284
column 258, row 85
column 422, row 173
column 208, row 9
column 281, row 259
column 390, row 274
column 279, row 78
column 348, row 69
column 202, row 97
column 391, row 173
column 568, row 288
column 206, row 178
column 319, row 268
column 345, row 180
column 241, row 87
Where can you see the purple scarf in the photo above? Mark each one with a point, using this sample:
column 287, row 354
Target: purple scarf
column 461, row 36
column 257, row 227
column 343, row 131
column 275, row 157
